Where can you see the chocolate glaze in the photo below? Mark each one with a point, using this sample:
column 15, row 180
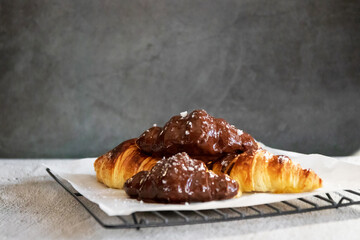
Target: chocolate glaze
column 198, row 134
column 228, row 161
column 180, row 179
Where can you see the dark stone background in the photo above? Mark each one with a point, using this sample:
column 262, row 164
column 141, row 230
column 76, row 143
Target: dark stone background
column 79, row 77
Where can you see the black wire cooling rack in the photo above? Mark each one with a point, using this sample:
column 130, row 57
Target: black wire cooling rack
column 171, row 218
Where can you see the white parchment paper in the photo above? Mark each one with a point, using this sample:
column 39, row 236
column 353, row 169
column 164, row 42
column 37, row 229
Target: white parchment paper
column 336, row 175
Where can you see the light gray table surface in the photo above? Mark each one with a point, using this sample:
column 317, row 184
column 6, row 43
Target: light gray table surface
column 34, row 206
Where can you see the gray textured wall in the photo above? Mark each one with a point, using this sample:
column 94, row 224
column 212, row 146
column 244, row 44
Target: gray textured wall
column 79, row 77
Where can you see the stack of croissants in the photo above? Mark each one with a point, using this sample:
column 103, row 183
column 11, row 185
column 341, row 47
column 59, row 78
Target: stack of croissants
column 222, row 155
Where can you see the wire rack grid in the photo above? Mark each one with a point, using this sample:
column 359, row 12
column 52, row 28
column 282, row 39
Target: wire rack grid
column 172, row 218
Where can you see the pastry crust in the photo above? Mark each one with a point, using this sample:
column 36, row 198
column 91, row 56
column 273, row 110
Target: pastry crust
column 261, row 171
column 121, row 163
column 255, row 171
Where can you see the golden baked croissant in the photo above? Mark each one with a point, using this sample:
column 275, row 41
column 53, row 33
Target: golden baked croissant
column 261, row 171
column 121, row 163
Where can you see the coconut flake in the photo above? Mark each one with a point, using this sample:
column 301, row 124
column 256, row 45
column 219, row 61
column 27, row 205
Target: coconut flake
column 154, row 125
column 187, row 132
column 283, row 158
column 239, row 132
column 184, row 114
column 268, row 155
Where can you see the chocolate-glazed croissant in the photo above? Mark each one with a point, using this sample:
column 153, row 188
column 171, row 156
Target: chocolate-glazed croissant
column 219, row 145
column 121, row 163
column 198, row 134
column 261, row 171
column 179, row 179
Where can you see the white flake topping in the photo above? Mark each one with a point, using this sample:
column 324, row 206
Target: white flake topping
column 184, row 114
column 187, row 132
column 240, row 132
column 283, row 158
column 268, row 155
column 154, row 125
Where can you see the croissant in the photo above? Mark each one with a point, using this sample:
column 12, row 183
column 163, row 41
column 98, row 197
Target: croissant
column 261, row 171
column 121, row 163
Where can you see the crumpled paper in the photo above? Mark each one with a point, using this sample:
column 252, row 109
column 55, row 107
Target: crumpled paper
column 336, row 175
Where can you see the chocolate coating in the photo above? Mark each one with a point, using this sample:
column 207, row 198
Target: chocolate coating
column 180, row 179
column 198, row 134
